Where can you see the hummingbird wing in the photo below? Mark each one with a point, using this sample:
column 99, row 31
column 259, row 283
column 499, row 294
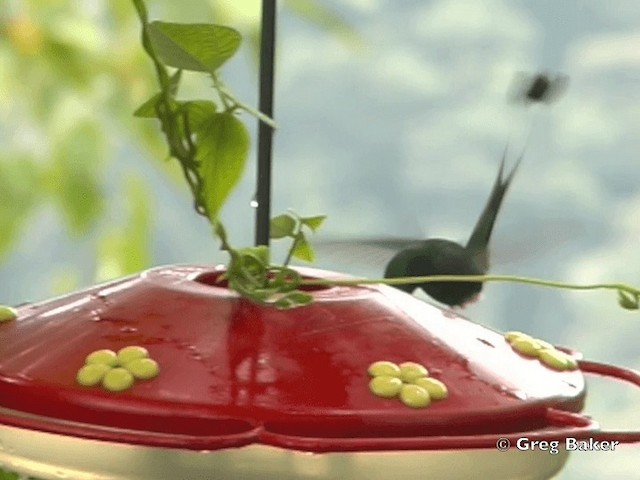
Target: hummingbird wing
column 373, row 252
column 478, row 244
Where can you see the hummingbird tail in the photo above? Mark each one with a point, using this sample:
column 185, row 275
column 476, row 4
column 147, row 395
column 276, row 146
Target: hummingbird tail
column 479, row 239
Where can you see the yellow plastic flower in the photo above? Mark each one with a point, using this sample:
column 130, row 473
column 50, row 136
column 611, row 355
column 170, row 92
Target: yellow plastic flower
column 117, row 371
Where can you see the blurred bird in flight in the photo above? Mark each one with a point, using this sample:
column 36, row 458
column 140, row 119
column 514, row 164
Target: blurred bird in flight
column 542, row 87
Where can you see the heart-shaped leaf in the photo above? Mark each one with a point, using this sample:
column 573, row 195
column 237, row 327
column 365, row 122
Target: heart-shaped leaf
column 196, row 47
column 199, row 113
column 148, row 108
column 223, row 145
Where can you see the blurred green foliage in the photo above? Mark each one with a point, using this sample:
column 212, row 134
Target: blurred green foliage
column 71, row 75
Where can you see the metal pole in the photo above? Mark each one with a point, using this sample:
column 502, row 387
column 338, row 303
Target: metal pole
column 265, row 132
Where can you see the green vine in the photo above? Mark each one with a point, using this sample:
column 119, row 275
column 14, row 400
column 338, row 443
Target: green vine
column 628, row 296
column 251, row 273
column 211, row 146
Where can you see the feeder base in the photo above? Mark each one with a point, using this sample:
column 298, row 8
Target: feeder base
column 49, row 456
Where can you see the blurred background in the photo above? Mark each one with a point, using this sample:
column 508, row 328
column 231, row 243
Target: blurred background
column 392, row 119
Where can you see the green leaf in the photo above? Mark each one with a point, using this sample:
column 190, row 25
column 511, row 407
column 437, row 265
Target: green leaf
column 196, row 47
column 303, row 250
column 148, row 108
column 282, row 226
column 259, row 254
column 223, row 145
column 248, row 267
column 199, row 112
column 314, row 223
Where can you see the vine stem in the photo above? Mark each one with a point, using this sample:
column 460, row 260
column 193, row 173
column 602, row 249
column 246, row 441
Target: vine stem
column 294, row 244
column 231, row 102
column 473, row 278
column 296, row 238
column 183, row 152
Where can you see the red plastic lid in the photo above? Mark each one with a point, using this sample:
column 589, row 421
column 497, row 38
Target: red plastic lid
column 234, row 373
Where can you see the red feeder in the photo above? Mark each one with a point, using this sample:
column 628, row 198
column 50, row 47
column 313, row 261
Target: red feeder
column 246, row 391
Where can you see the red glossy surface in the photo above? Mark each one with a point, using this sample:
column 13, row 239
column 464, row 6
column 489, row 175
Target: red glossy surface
column 234, row 373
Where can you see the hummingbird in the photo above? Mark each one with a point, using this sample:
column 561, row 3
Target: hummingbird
column 438, row 256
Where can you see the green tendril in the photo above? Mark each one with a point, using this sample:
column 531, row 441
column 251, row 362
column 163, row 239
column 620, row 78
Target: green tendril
column 628, row 296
